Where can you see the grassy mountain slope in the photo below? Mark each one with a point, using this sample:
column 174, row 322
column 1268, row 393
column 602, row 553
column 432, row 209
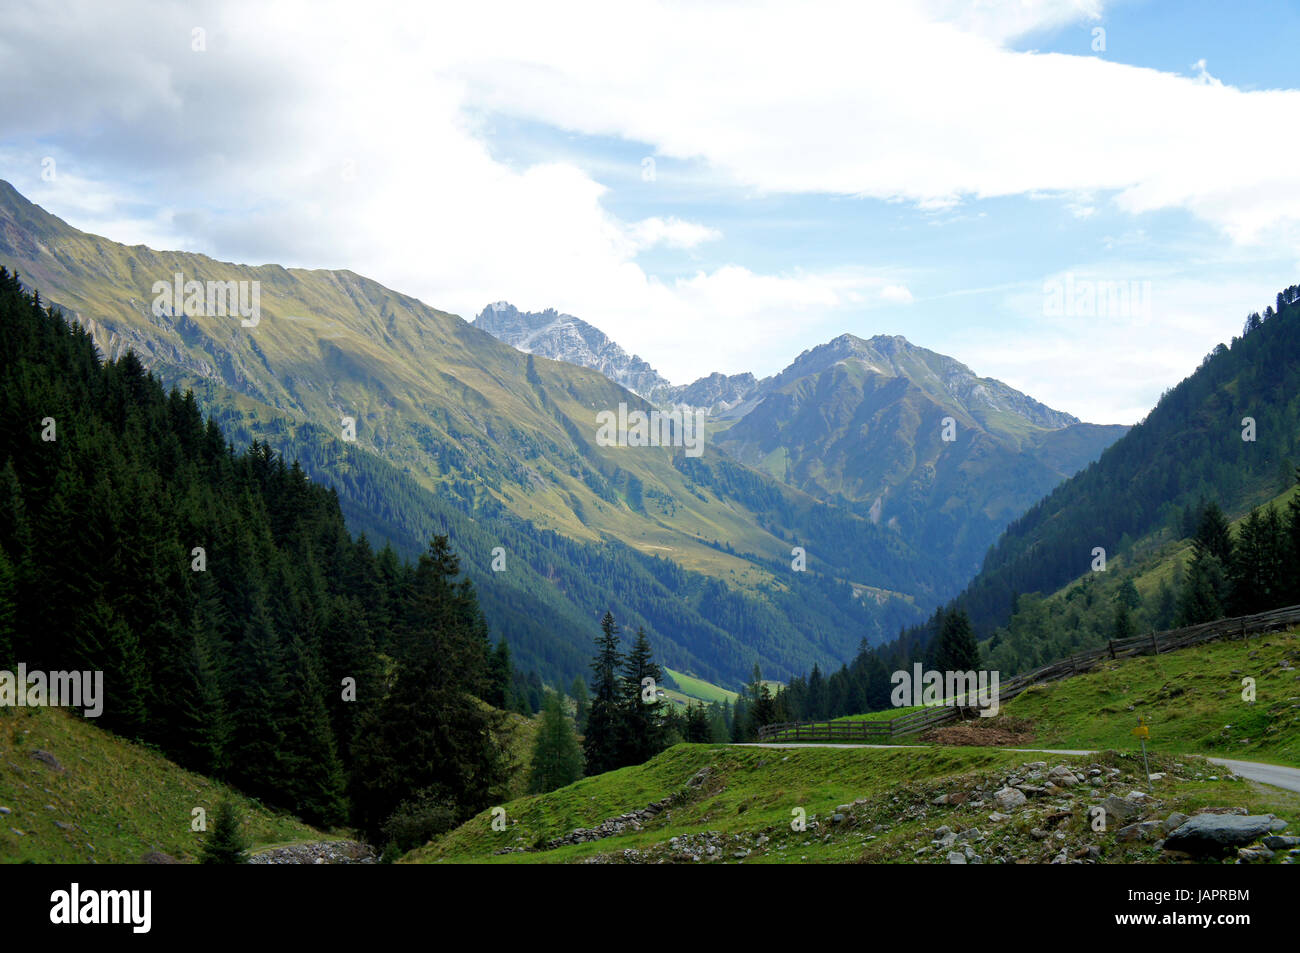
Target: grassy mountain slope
column 861, row 423
column 1189, row 448
column 112, row 801
column 1191, row 699
column 508, row 442
column 742, row 797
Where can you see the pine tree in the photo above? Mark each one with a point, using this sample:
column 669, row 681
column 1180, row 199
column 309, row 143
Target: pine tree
column 1201, row 598
column 581, row 702
column 557, row 758
column 762, row 710
column 643, row 733
column 499, row 677
column 1213, row 535
column 1123, row 624
column 226, row 844
column 698, row 728
column 603, row 741
column 7, row 616
column 957, row 651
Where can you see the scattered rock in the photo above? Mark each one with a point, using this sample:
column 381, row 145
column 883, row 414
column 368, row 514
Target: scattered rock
column 1063, row 776
column 1139, row 831
column 320, row 852
column 1122, row 809
column 1009, row 799
column 47, row 759
column 1217, row 833
column 1281, row 842
column 1248, row 855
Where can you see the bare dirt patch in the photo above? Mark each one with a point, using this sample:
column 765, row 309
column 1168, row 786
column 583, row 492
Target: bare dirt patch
column 999, row 732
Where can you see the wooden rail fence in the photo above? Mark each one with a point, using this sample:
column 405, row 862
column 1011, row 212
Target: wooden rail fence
column 1153, row 643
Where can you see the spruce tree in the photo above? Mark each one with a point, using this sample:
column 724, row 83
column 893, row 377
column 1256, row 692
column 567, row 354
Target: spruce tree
column 557, row 758
column 644, row 730
column 958, row 651
column 581, row 702
column 603, row 742
column 226, row 844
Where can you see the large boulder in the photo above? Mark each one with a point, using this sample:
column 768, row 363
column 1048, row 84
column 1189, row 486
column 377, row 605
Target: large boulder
column 1009, row 799
column 1218, row 833
column 1122, row 810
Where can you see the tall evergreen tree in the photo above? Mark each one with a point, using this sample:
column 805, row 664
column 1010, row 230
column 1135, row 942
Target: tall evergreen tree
column 581, row 702
column 957, row 649
column 643, row 710
column 557, row 758
column 603, row 742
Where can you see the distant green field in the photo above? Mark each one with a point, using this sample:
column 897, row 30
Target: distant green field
column 699, row 688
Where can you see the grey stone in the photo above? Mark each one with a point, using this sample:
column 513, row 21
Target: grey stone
column 1121, row 809
column 1281, row 842
column 1009, row 799
column 1063, row 776
column 1251, row 854
column 47, row 759
column 1217, row 833
column 955, row 857
column 1174, row 821
column 1139, row 831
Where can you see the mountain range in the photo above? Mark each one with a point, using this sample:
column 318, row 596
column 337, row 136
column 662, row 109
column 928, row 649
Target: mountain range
column 423, row 422
column 860, row 424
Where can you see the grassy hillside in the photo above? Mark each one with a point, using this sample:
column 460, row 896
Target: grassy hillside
column 1191, row 699
column 81, row 795
column 503, row 438
column 734, row 804
column 748, row 789
column 1189, row 448
column 698, row 688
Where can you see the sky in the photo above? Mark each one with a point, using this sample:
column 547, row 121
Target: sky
column 1078, row 197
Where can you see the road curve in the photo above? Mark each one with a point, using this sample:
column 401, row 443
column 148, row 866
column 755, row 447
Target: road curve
column 1275, row 774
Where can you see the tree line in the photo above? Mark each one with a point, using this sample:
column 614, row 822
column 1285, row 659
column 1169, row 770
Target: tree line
column 240, row 628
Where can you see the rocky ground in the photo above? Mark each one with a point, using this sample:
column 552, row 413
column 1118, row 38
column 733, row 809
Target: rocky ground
column 321, row 852
column 1090, row 810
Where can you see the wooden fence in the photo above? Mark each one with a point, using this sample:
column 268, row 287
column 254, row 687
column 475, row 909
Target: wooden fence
column 1153, row 643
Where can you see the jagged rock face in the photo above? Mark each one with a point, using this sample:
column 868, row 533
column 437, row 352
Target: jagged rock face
column 937, row 374
column 717, row 393
column 562, row 337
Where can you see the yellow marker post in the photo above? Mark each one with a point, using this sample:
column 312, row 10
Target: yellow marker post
column 1143, row 732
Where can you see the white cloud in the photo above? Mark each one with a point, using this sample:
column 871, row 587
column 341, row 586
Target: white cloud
column 671, row 231
column 310, row 135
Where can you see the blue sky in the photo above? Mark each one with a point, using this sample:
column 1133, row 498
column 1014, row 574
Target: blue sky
column 928, row 169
